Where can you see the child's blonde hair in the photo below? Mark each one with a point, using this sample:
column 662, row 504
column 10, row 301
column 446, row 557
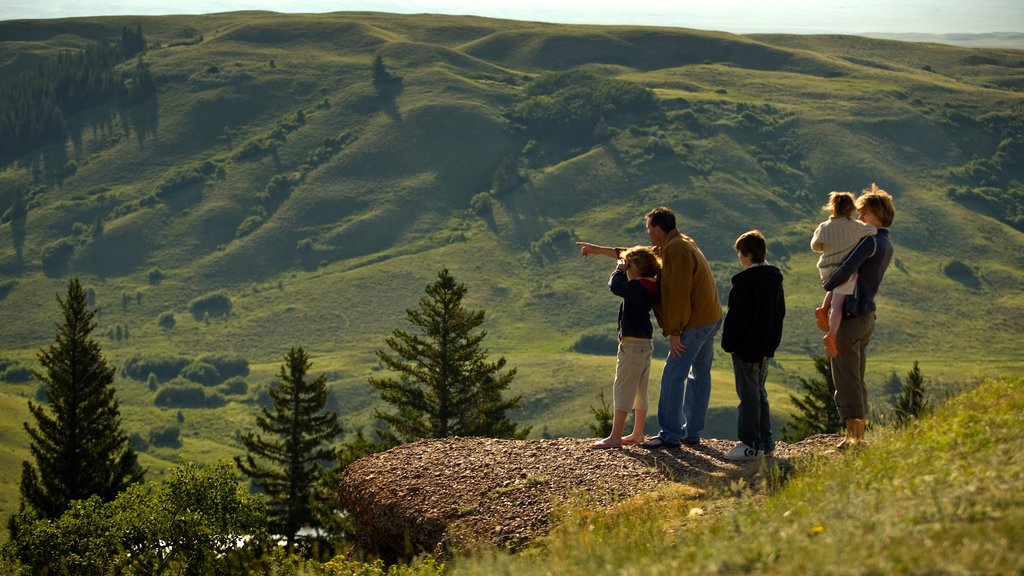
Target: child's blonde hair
column 840, row 204
column 646, row 261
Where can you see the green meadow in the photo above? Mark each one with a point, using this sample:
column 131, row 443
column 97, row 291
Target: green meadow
column 270, row 171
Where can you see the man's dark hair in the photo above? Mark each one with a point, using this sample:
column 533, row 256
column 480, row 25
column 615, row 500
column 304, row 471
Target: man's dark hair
column 752, row 245
column 663, row 218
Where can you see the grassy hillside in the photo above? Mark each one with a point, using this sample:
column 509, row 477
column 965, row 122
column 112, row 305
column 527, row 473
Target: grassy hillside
column 269, row 168
column 942, row 497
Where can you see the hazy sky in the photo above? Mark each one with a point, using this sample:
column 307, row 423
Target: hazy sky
column 739, row 16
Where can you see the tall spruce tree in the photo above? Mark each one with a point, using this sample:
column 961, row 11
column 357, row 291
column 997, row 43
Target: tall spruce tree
column 78, row 446
column 289, row 463
column 816, row 408
column 445, row 385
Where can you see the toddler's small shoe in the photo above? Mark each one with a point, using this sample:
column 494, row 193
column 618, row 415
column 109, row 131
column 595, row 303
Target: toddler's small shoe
column 821, row 319
column 829, row 341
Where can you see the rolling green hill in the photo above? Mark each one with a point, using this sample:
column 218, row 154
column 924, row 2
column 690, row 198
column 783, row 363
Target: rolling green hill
column 268, row 167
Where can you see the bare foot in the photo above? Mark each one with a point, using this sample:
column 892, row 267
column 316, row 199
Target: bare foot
column 631, row 439
column 606, row 443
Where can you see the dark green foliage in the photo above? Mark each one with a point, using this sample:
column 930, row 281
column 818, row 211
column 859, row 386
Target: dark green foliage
column 289, row 462
column 201, row 372
column 248, row 226
column 381, row 75
column 962, row 273
column 35, row 105
column 155, row 276
column 132, row 41
column 77, row 445
column 191, row 524
column 568, row 106
column 256, row 149
column 137, row 85
column 182, row 177
column 165, row 437
column 166, row 320
column 180, row 394
column 227, row 366
column 816, row 411
column 602, row 425
column 163, row 367
column 55, row 255
column 554, row 243
column 508, row 176
column 235, row 386
column 603, row 343
column 16, row 374
column 912, row 402
column 482, row 204
column 214, row 304
column 445, row 385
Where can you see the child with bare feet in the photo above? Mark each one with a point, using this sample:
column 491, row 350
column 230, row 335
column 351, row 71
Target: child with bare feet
column 634, row 280
column 835, row 238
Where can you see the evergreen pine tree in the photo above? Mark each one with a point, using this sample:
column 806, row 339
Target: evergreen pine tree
column 816, row 408
column 77, row 445
column 911, row 402
column 289, row 463
column 445, row 385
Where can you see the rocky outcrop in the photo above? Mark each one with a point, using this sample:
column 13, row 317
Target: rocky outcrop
column 452, row 494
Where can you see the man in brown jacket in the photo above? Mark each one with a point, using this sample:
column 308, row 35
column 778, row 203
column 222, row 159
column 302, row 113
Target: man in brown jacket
column 690, row 315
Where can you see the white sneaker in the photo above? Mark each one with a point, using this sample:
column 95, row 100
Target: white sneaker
column 742, row 452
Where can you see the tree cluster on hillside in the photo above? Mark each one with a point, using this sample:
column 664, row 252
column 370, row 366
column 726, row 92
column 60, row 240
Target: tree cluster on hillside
column 36, row 105
column 569, row 106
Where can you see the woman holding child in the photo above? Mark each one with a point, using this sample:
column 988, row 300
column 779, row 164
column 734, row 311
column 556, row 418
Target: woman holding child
column 869, row 261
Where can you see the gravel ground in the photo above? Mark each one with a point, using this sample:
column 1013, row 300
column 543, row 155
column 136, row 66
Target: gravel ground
column 455, row 493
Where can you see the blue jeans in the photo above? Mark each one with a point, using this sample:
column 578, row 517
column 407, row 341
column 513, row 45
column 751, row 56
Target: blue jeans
column 755, row 423
column 686, row 386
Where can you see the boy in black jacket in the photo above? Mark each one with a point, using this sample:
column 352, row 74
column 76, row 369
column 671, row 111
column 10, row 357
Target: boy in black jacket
column 751, row 333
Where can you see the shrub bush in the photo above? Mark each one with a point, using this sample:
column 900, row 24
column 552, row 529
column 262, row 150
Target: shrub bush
column 165, row 437
column 166, row 320
column 187, row 395
column 16, row 374
column 235, row 386
column 248, row 226
column 56, row 254
column 603, row 344
column 201, row 372
column 228, row 366
column 165, row 368
column 962, row 273
column 214, row 304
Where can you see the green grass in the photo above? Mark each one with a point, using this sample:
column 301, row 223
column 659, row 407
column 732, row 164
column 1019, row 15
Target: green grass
column 939, row 497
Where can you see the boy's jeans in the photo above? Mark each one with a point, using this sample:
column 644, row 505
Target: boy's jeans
column 686, row 386
column 755, row 424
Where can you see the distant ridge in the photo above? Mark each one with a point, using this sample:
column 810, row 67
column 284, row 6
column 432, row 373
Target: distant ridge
column 1012, row 40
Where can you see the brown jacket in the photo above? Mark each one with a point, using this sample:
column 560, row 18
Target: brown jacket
column 689, row 296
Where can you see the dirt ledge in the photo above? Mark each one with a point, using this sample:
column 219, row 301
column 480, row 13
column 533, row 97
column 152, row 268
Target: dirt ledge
column 449, row 494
